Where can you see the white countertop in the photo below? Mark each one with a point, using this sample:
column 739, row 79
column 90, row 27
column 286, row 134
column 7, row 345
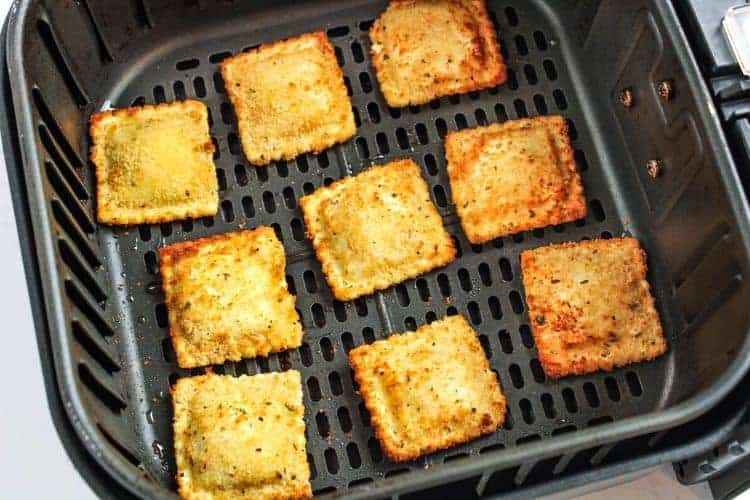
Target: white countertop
column 32, row 459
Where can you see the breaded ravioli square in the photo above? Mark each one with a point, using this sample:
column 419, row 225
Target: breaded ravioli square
column 590, row 306
column 514, row 176
column 227, row 298
column 376, row 229
column 424, row 49
column 240, row 437
column 428, row 390
column 289, row 98
column 153, row 164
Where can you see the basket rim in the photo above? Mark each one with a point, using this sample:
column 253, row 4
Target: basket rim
column 86, row 430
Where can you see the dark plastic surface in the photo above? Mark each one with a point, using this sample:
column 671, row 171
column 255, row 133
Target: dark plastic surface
column 732, row 87
column 719, row 463
column 739, row 135
column 665, row 447
column 735, row 109
column 720, row 459
column 703, row 23
column 103, row 299
column 725, row 466
column 732, row 482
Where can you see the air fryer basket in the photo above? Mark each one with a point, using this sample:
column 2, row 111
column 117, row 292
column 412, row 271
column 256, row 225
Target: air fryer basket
column 101, row 285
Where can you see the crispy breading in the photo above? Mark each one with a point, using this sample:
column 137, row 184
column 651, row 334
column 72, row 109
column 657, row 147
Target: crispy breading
column 514, row 176
column 227, row 298
column 424, row 49
column 153, row 163
column 241, row 437
column 590, row 306
column 376, row 229
column 289, row 98
column 428, row 390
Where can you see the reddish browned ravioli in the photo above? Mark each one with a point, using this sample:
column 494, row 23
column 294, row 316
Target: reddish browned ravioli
column 590, row 306
column 514, row 176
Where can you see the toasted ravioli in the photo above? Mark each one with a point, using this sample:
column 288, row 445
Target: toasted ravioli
column 376, row 229
column 153, row 164
column 227, row 298
column 241, row 437
column 514, row 176
column 590, row 306
column 428, row 390
column 289, row 98
column 423, row 49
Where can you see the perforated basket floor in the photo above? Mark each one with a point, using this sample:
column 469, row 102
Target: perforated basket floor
column 120, row 350
column 483, row 284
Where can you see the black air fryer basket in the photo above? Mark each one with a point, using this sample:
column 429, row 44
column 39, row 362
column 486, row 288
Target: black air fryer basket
column 101, row 290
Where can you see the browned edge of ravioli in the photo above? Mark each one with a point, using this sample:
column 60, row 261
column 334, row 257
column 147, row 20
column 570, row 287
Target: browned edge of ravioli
column 167, row 256
column 182, row 485
column 325, row 46
column 368, row 393
column 559, row 366
column 486, row 32
column 574, row 202
column 343, row 293
column 94, row 122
